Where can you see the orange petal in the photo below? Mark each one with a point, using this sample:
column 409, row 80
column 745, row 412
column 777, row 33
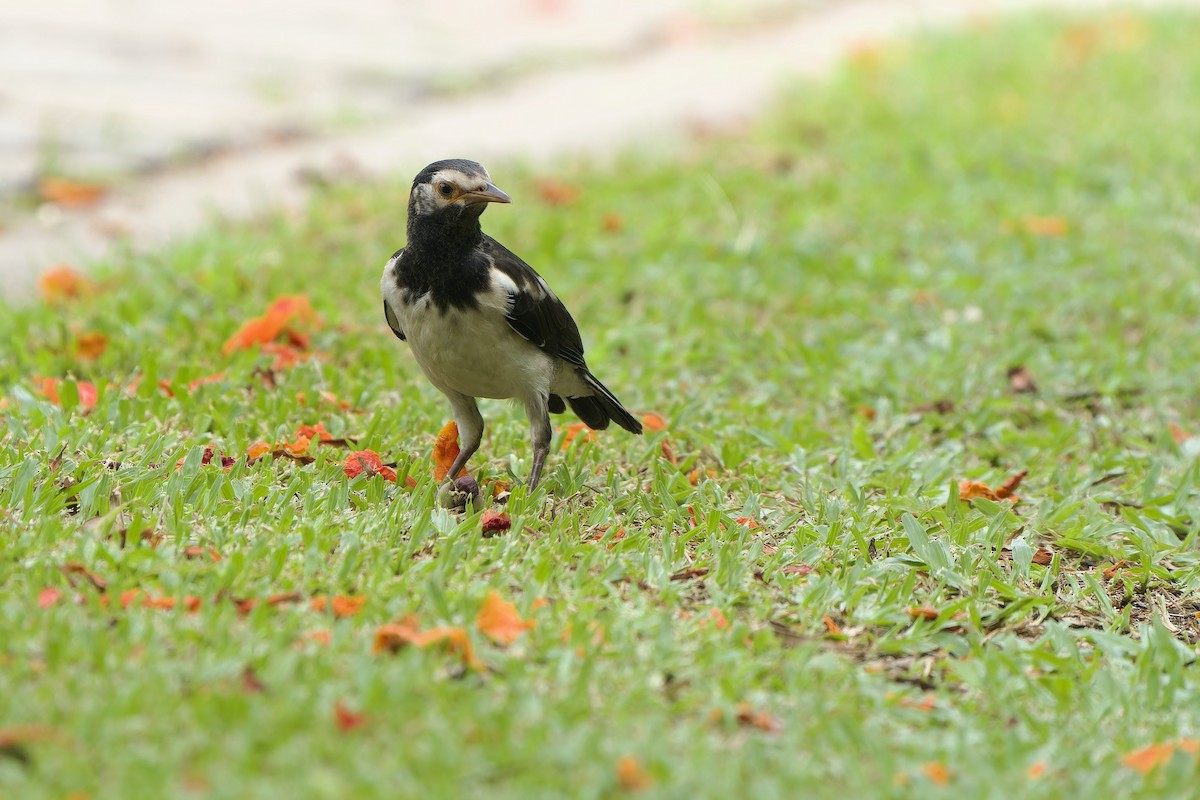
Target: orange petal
column 367, row 461
column 317, row 432
column 259, row 330
column 499, row 620
column 70, row 193
column 494, row 522
column 937, row 772
column 1045, row 226
column 445, row 450
column 1151, row 756
column 62, row 283
column 632, row 776
column 395, row 635
column 555, row 193
column 457, row 641
column 256, row 451
column 574, row 430
column 969, row 490
column 90, row 345
column 653, row 422
column 346, row 719
column 344, row 606
column 296, row 448
column 1009, row 486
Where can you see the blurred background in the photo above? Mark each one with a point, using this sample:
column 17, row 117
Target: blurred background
column 102, row 88
column 135, row 121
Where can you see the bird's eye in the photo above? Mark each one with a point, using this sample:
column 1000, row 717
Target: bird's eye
column 446, row 189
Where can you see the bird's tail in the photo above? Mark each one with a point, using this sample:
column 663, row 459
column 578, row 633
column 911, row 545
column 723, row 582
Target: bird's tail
column 599, row 408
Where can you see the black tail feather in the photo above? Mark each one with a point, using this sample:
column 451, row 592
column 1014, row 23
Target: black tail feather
column 597, row 410
column 590, row 411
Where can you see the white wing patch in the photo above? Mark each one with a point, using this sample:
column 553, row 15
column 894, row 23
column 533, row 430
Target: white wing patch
column 501, row 294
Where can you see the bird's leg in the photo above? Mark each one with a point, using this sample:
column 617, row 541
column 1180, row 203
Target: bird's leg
column 470, row 431
column 540, row 433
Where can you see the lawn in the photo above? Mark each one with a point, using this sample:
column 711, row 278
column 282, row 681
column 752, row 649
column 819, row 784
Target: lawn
column 958, row 259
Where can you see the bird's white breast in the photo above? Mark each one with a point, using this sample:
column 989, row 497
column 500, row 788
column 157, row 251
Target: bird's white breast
column 473, row 351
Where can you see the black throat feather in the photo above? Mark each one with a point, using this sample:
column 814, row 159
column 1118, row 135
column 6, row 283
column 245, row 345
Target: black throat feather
column 443, row 258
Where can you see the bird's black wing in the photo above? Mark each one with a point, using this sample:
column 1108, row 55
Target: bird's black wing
column 392, row 322
column 536, row 313
column 388, row 314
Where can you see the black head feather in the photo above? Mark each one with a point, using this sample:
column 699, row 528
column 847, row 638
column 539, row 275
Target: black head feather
column 471, row 168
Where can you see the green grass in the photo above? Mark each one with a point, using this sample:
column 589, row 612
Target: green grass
column 794, row 302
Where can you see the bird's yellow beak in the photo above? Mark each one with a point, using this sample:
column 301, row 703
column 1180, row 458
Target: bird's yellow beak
column 490, row 193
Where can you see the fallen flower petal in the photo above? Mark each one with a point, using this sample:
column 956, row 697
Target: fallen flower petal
column 632, row 776
column 367, row 461
column 90, row 345
column 70, row 193
column 970, row 490
column 499, row 620
column 251, row 683
column 445, row 450
column 256, row 451
column 718, row 618
column 296, row 448
column 321, row 636
column 259, row 330
column 274, row 323
column 346, row 719
column 286, row 355
column 48, row 597
column 344, row 606
column 747, row 717
column 493, row 522
column 63, row 283
column 1045, row 226
column 49, row 388
column 574, row 431
column 1009, row 486
column 74, row 568
column 317, row 432
column 653, row 422
column 14, row 735
column 1178, row 434
column 555, row 193
column 392, row 636
column 1146, row 759
column 397, row 635
column 937, row 772
column 216, row 377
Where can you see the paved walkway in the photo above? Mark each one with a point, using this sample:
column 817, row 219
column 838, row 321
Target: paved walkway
column 193, row 111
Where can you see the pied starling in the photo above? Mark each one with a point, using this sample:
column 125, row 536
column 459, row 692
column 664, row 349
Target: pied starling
column 481, row 322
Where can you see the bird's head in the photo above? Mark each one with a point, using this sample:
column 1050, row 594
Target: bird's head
column 453, row 189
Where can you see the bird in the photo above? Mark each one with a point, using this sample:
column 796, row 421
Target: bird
column 480, row 322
